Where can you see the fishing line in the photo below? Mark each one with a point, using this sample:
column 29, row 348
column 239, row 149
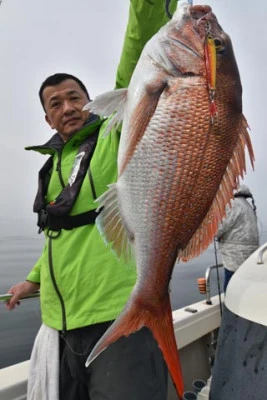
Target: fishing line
column 70, row 347
column 218, row 277
column 167, row 7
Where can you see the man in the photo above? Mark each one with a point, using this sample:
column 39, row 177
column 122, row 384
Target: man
column 82, row 284
column 238, row 234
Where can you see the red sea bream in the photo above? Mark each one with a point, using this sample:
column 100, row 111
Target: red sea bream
column 181, row 154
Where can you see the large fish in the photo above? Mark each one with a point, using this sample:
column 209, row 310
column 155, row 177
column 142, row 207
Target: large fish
column 181, row 153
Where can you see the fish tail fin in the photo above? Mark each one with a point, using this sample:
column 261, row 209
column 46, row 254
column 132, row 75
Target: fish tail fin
column 163, row 332
column 159, row 321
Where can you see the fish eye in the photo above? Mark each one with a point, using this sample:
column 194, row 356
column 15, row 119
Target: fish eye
column 220, row 47
column 217, row 42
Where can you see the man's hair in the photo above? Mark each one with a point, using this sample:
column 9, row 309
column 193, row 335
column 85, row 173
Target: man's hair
column 56, row 79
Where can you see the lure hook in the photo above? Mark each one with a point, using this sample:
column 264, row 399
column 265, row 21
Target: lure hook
column 208, row 28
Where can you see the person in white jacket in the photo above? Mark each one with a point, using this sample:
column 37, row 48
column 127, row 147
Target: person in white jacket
column 238, row 234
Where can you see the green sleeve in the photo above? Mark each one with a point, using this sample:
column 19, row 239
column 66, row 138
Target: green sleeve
column 34, row 275
column 145, row 19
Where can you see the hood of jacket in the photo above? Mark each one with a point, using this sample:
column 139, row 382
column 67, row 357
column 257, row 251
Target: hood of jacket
column 56, row 143
column 243, row 190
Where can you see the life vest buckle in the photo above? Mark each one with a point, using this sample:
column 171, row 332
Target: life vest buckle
column 42, row 220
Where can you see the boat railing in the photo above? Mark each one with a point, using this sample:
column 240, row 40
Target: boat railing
column 6, row 297
column 260, row 255
column 207, row 278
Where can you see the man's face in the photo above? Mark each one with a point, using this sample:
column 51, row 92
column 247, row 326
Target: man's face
column 63, row 104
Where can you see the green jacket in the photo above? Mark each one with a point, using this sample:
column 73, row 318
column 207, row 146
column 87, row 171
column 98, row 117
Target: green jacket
column 81, row 280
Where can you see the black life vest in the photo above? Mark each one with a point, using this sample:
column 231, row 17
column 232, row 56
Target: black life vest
column 56, row 216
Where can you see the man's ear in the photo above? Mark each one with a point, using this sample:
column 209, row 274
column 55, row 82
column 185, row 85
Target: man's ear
column 49, row 122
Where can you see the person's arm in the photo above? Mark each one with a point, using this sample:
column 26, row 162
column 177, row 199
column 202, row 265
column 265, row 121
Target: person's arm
column 145, row 19
column 20, row 290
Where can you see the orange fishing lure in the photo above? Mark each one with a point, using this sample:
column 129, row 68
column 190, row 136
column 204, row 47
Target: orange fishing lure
column 210, row 61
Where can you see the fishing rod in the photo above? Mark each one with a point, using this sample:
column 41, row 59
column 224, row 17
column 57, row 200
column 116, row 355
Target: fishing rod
column 218, row 277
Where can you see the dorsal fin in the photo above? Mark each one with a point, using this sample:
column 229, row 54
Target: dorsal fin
column 209, row 227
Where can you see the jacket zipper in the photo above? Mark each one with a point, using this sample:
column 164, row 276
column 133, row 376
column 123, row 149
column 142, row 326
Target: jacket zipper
column 50, row 258
column 51, row 269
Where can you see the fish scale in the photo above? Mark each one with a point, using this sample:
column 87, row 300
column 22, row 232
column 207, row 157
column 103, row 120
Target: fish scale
column 181, row 154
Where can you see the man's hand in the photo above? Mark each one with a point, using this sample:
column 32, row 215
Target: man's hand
column 20, row 290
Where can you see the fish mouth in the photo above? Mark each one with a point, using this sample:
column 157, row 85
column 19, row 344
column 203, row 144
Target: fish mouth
column 199, row 12
column 200, row 16
column 190, row 30
column 203, row 15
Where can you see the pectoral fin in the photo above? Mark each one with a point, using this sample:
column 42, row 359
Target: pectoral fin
column 107, row 104
column 112, row 226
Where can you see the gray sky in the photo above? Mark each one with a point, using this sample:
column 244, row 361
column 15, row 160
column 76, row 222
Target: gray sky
column 84, row 38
